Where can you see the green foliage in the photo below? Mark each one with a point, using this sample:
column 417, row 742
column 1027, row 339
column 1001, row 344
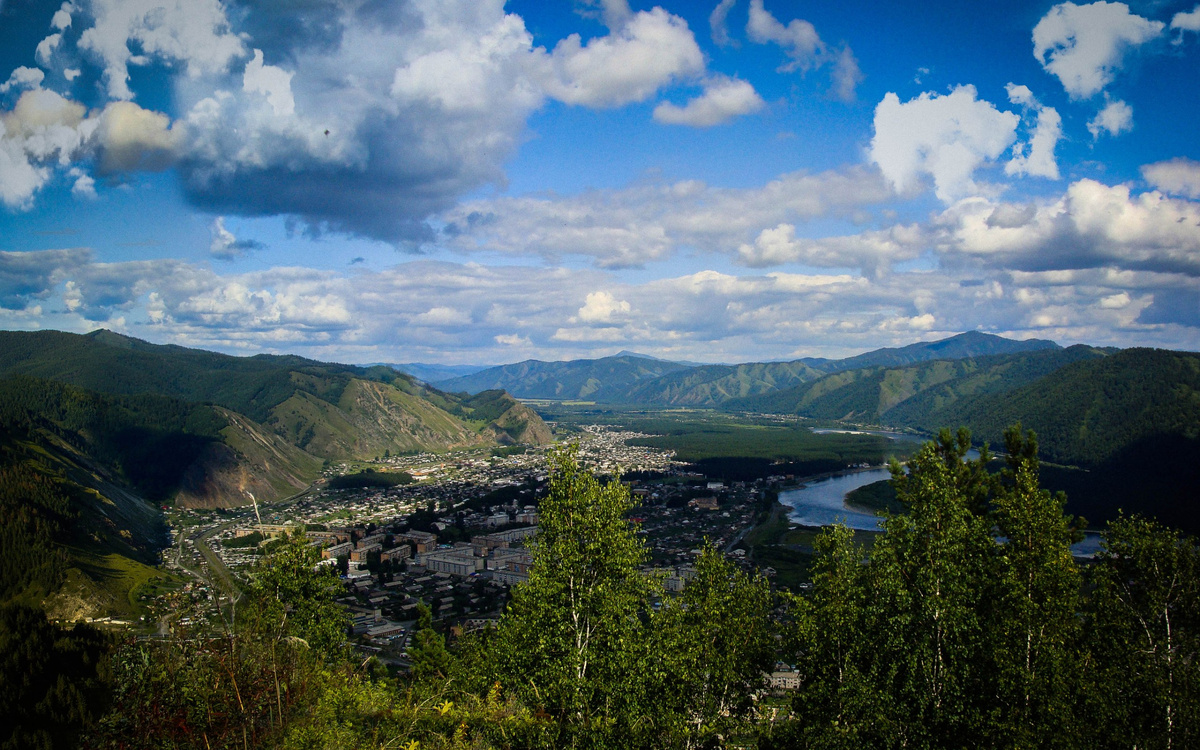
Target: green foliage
column 1144, row 639
column 291, row 596
column 1034, row 628
column 929, row 578
column 55, row 680
column 428, row 654
column 574, row 633
column 712, row 645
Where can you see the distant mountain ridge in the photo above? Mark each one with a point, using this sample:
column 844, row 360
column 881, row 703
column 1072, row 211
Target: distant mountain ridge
column 601, row 379
column 637, row 379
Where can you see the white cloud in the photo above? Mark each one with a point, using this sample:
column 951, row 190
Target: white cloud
column 1092, row 225
column 636, row 225
column 192, row 33
column 42, row 130
column 799, row 38
column 600, row 307
column 1036, row 158
column 718, row 22
column 1021, row 96
column 1176, row 177
column 512, row 339
column 84, row 186
column 23, row 78
column 512, row 312
column 947, row 137
column 803, row 45
column 131, row 138
column 652, row 49
column 1084, row 45
column 225, row 245
column 846, row 75
column 443, row 317
column 62, row 17
column 1187, row 21
column 1114, row 119
column 44, row 53
column 873, row 252
column 272, row 82
column 723, row 99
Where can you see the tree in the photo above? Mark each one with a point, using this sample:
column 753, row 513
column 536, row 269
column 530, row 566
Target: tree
column 833, row 647
column 712, row 645
column 573, row 641
column 928, row 577
column 1033, row 624
column 428, row 654
column 292, row 595
column 1144, row 638
column 55, row 680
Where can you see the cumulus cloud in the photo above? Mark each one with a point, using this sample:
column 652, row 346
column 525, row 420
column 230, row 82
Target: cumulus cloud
column 805, row 49
column 799, row 39
column 946, row 137
column 723, row 99
column 195, row 34
column 1084, row 45
column 846, row 75
column 43, row 129
column 468, row 312
column 1114, row 119
column 636, row 225
column 32, row 275
column 650, row 50
column 442, row 317
column 600, row 307
column 23, row 78
column 1036, row 156
column 272, row 82
column 225, row 245
column 362, row 118
column 873, row 252
column 1092, row 225
column 134, row 139
column 719, row 23
column 1186, row 21
column 1175, row 177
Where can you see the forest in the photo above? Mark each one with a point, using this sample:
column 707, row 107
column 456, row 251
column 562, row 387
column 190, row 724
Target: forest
column 967, row 624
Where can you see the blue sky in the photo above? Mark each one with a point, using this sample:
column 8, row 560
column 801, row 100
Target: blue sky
column 465, row 181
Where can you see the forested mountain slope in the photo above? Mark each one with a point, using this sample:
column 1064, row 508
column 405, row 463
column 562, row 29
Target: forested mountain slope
column 277, row 418
column 918, row 395
column 604, row 379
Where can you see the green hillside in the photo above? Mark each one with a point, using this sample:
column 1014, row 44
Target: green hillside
column 74, row 538
column 920, row 395
column 968, row 345
column 271, row 420
column 604, row 379
column 711, row 385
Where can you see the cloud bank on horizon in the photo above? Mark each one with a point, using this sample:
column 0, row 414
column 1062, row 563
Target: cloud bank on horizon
column 470, row 181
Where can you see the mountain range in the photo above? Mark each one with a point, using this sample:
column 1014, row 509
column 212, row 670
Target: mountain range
column 637, row 379
column 270, row 422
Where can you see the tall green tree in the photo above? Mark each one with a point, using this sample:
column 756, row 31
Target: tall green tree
column 712, row 645
column 929, row 572
column 1144, row 638
column 573, row 643
column 430, row 659
column 1033, row 624
column 837, row 699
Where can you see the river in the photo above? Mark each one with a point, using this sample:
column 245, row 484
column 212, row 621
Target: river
column 822, row 502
